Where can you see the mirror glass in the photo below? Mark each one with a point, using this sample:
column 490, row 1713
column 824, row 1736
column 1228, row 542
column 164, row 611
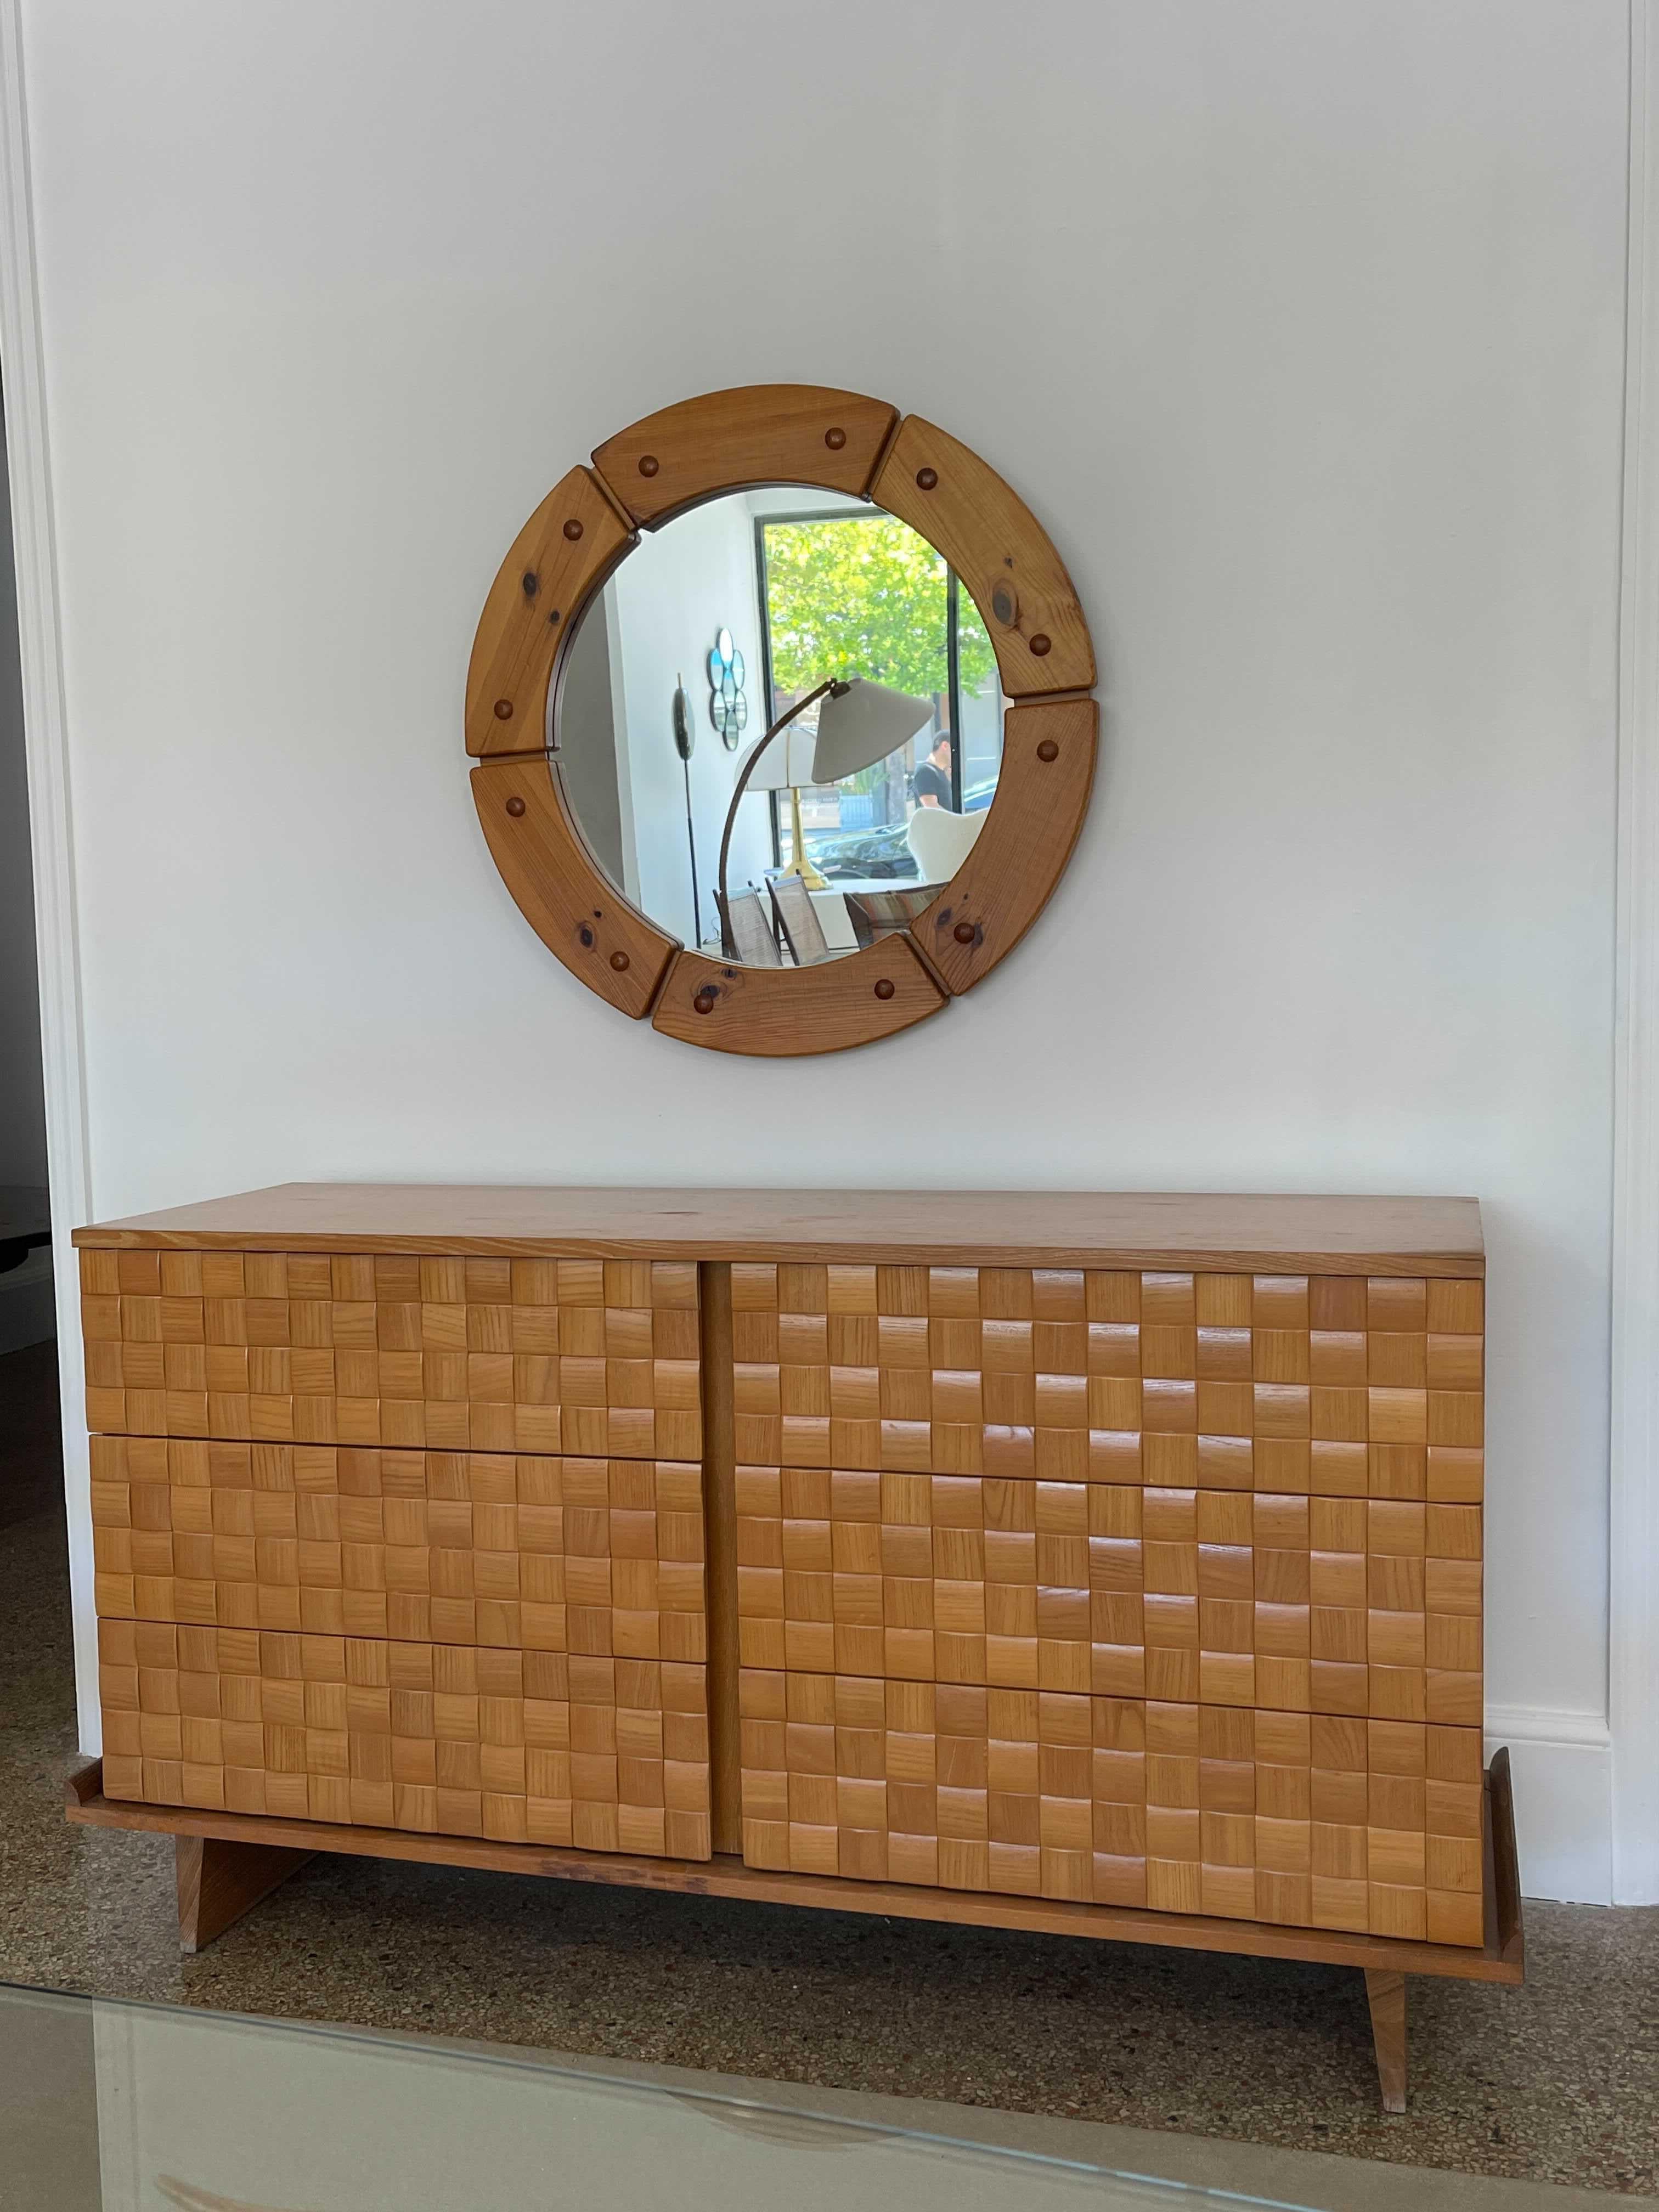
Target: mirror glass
column 854, row 816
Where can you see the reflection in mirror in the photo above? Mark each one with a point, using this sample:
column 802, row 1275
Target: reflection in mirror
column 756, row 602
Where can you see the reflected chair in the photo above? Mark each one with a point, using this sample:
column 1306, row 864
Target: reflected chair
column 798, row 920
column 941, row 840
column 752, row 932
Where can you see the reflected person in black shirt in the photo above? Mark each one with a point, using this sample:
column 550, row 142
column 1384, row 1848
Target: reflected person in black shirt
column 931, row 782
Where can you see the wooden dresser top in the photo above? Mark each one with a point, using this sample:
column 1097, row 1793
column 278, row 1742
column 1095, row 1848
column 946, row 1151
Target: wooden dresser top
column 1025, row 1229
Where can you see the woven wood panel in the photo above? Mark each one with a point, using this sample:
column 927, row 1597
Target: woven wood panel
column 527, row 1747
column 586, row 1356
column 1310, row 1820
column 1355, row 1605
column 593, row 1556
column 1333, row 1385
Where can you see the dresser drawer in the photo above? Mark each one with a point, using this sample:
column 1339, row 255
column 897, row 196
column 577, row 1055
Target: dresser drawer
column 524, row 1746
column 1339, row 1384
column 586, row 1356
column 601, row 1556
column 1362, row 1607
column 1304, row 1819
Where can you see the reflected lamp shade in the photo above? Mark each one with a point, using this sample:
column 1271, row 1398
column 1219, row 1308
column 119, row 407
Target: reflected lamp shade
column 860, row 723
column 785, row 760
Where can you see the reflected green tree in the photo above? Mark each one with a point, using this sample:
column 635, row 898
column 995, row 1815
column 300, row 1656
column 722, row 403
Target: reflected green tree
column 865, row 596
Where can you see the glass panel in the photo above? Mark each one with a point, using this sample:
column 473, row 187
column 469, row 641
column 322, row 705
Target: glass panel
column 203, row 2110
column 744, row 610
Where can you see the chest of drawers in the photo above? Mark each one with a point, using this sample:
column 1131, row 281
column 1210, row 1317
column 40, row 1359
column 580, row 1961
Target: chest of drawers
column 1106, row 1563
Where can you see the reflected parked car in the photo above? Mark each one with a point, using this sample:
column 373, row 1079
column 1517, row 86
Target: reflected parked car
column 873, row 853
column 884, row 851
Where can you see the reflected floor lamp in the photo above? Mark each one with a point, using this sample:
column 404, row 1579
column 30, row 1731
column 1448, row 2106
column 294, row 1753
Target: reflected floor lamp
column 859, row 723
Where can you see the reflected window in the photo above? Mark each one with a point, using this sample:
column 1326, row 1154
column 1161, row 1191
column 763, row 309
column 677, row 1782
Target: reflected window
column 860, row 591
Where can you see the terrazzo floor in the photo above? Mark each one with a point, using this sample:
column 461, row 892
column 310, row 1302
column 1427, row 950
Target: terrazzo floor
column 1558, row 2082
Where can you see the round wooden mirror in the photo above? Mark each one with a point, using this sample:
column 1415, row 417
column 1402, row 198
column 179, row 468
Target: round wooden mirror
column 857, row 916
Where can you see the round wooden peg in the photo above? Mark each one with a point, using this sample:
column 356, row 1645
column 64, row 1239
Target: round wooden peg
column 515, row 806
column 835, row 440
column 649, row 464
column 965, row 933
column 619, row 962
column 572, row 530
column 926, row 478
column 503, row 710
column 1048, row 750
column 885, row 989
column 1042, row 643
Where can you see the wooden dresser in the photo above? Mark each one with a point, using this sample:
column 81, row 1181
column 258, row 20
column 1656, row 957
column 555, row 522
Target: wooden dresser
column 1102, row 1564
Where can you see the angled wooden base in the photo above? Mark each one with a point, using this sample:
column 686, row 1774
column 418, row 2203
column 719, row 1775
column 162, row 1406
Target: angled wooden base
column 228, row 1860
column 219, row 1882
column 1385, row 1993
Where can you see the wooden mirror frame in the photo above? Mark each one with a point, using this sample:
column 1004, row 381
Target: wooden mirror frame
column 828, row 441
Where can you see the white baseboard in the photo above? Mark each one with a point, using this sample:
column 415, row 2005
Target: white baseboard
column 1561, row 1764
column 27, row 1309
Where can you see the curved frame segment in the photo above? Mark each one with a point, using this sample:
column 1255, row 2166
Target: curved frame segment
column 828, row 440
column 777, row 1013
column 560, row 890
column 553, row 566
column 1003, row 885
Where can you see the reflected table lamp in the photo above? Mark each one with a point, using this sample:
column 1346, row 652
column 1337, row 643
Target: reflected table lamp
column 859, row 723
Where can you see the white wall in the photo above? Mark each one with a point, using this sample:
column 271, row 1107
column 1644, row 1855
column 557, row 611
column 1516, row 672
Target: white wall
column 1306, row 344
column 26, row 1303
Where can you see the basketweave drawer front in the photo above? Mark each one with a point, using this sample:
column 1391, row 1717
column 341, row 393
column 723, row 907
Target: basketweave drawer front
column 598, row 1557
column 1308, row 1821
column 1369, row 1607
column 1328, row 1383
column 523, row 1747
column 585, row 1356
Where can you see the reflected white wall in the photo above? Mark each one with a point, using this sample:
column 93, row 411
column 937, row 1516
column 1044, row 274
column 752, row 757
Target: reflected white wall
column 675, row 592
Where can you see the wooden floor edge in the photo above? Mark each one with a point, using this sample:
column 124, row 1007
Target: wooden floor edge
column 725, row 1876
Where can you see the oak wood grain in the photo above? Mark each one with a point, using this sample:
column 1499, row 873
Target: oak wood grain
column 720, row 1516
column 1001, row 552
column 539, row 589
column 757, row 434
column 1503, row 1884
column 1291, row 1234
column 218, row 1881
column 778, row 1012
column 560, row 890
column 726, row 1877
column 1006, row 880
column 589, row 1751
column 1385, row 1993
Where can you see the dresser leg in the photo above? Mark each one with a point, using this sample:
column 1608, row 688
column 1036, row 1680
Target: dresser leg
column 1386, row 1995
column 219, row 1882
